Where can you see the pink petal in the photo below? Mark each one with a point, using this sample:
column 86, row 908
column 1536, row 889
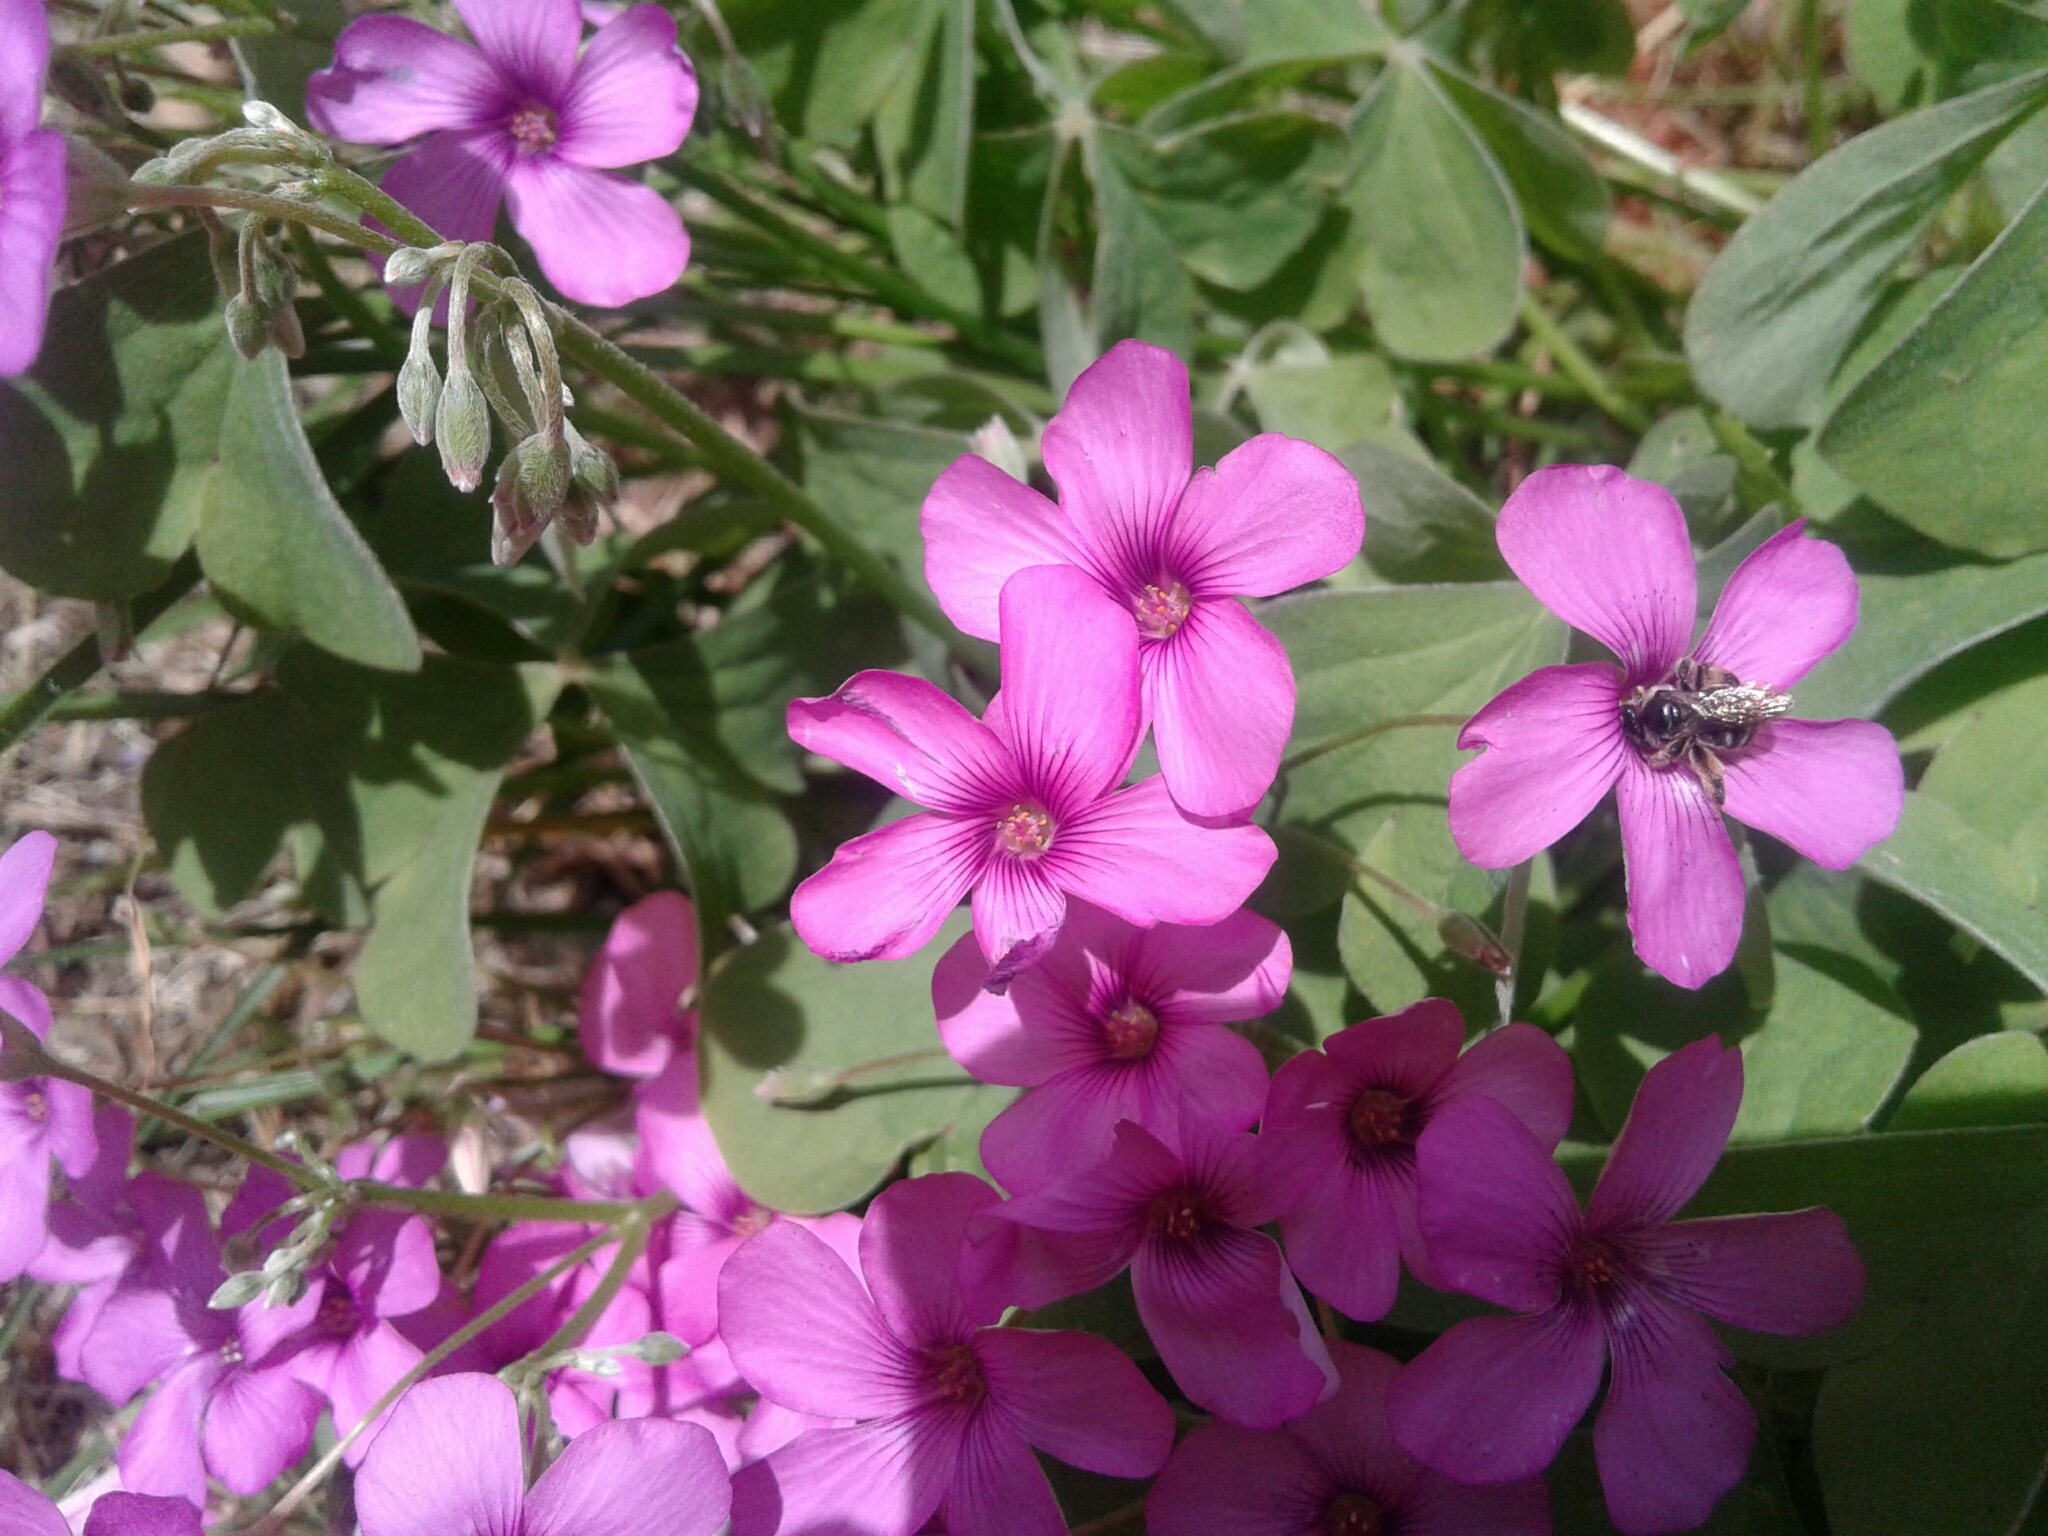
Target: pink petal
column 688, row 1286
column 258, row 1422
column 1494, row 1208
column 24, row 1512
column 980, row 528
column 1078, row 1398
column 1120, row 450
column 1792, row 1273
column 1492, row 1400
column 998, row 1488
column 142, row 1335
column 1674, row 1134
column 1226, row 1481
column 601, row 239
column 1791, row 602
column 1273, row 515
column 1408, row 1053
column 1609, row 555
column 160, row 1452
column 1348, row 1433
column 1441, row 1506
column 1343, row 1240
column 25, row 1003
column 910, row 1246
column 24, row 877
column 1674, row 1434
column 129, row 1514
column 365, row 1368
column 981, row 1029
column 454, row 181
column 1553, row 747
column 627, row 1020
column 1018, row 910
column 448, row 1460
column 910, row 738
column 532, row 41
column 1135, row 854
column 803, row 1331
column 1220, row 694
column 394, row 79
column 678, row 1148
column 1229, row 1323
column 24, row 55
column 885, row 1477
column 631, row 1477
column 24, row 1208
column 1059, row 1131
column 34, row 192
column 1832, row 789
column 1070, row 685
column 388, row 1260
column 1226, row 973
column 633, row 95
column 886, row 893
column 1524, row 1070
column 1684, row 883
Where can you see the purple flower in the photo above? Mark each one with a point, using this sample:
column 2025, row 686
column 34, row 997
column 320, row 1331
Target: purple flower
column 1115, row 1023
column 40, row 1118
column 32, row 189
column 95, row 1236
column 1492, row 1400
column 1353, row 1111
column 1684, row 734
column 24, row 1512
column 629, row 1020
column 1212, row 1290
column 520, row 118
column 1174, row 553
column 451, row 1460
column 1024, row 805
column 1333, row 1472
column 946, row 1409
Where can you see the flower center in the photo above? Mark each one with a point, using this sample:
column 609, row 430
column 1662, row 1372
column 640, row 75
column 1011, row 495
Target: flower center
column 956, row 1375
column 1379, row 1118
column 1352, row 1514
column 1026, row 831
column 231, row 1352
column 35, row 1103
column 1161, row 609
column 1131, row 1031
column 1178, row 1215
column 1591, row 1268
column 752, row 1220
column 337, row 1315
column 533, row 128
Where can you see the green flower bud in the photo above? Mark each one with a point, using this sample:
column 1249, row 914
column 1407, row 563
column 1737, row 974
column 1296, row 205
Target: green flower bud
column 533, row 484
column 593, row 486
column 419, row 394
column 248, row 326
column 462, row 427
column 408, row 268
column 237, row 1291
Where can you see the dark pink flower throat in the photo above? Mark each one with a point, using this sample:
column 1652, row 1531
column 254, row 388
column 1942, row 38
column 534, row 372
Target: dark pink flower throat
column 1131, row 1031
column 1161, row 608
column 1025, row 831
column 534, row 128
column 956, row 1375
column 1352, row 1514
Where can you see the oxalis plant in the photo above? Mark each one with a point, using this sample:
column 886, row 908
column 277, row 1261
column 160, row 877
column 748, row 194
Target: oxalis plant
column 1347, row 768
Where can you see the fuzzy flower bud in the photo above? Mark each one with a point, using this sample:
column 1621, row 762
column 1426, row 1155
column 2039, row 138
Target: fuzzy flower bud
column 593, row 486
column 408, row 268
column 462, row 427
column 532, row 485
column 248, row 326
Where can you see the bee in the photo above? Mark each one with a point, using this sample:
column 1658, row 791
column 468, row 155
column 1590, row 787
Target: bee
column 1702, row 713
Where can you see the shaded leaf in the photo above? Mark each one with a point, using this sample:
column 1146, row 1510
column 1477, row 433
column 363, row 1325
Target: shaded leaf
column 1996, row 1079
column 1988, row 890
column 1564, row 201
column 1421, row 525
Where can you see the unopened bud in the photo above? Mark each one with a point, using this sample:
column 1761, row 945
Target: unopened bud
column 248, row 326
column 533, row 482
column 593, row 486
column 462, row 428
column 1468, row 939
column 237, row 1291
column 285, row 1289
column 419, row 394
column 261, row 114
column 282, row 324
column 659, row 1349
column 993, row 440
column 407, row 267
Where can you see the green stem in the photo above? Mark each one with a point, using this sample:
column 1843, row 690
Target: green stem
column 290, row 210
column 75, row 668
column 1582, row 369
column 1758, row 480
column 1366, row 733
column 632, row 1231
column 550, row 1208
column 300, row 1176
column 347, row 302
column 143, row 42
column 892, row 288
column 1820, row 125
column 127, row 704
column 1514, row 923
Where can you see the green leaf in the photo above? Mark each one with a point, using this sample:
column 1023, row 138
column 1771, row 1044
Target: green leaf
column 1309, row 29
column 874, row 475
column 1141, row 288
column 856, row 58
column 1996, row 1079
column 1882, row 54
column 1332, row 402
column 1989, row 890
column 276, row 546
column 276, row 69
column 1708, row 19
column 776, row 1008
column 924, row 127
column 1909, row 625
column 1946, row 1428
column 1438, row 235
column 1563, row 199
column 1423, row 526
column 932, row 254
column 106, row 447
column 1781, row 306
column 1945, row 431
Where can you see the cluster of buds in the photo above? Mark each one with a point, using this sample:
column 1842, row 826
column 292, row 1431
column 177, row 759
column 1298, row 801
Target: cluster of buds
column 502, row 360
column 281, row 1280
column 268, row 138
column 260, row 312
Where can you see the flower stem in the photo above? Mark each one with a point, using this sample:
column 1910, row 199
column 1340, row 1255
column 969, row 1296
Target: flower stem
column 1582, row 370
column 300, row 1176
column 162, row 37
column 1514, row 923
column 1366, row 733
column 438, row 1202
column 632, row 1231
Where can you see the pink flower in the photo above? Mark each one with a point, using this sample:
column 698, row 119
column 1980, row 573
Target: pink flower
column 1683, row 734
column 452, row 1460
column 946, row 1409
column 1115, row 1023
column 24, row 1512
column 1353, row 1111
column 1212, row 1290
column 95, row 1236
column 1024, row 805
column 40, row 1118
column 1333, row 1472
column 1492, row 1400
column 630, row 1020
column 1173, row 552
column 520, row 118
column 32, row 186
